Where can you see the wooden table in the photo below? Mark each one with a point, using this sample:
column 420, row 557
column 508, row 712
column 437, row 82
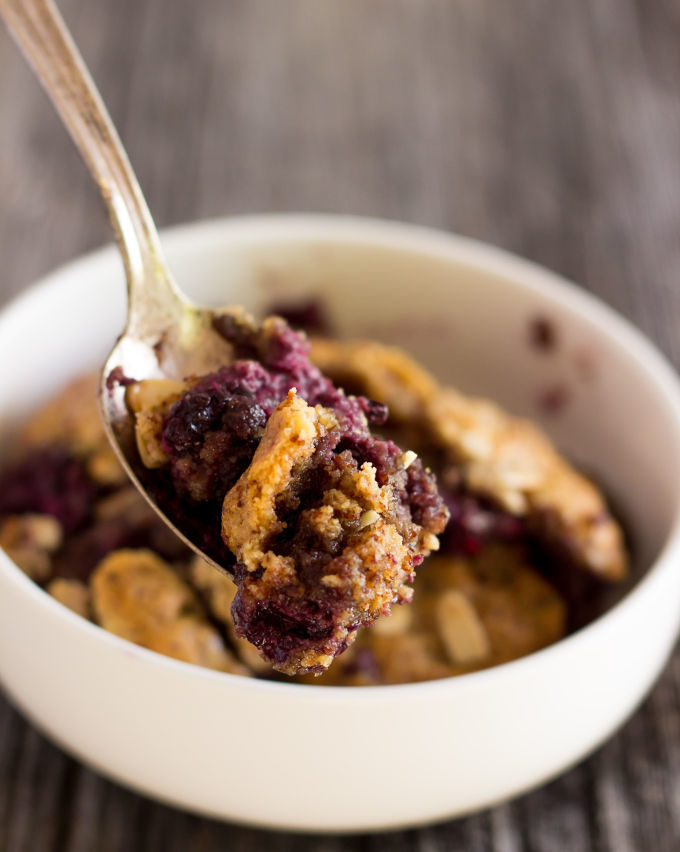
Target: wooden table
column 552, row 129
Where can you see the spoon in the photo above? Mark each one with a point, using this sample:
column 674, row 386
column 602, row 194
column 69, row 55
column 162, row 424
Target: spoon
column 166, row 335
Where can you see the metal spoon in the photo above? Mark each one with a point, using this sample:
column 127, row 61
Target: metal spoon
column 165, row 334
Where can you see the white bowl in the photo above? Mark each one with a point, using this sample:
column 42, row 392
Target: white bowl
column 312, row 758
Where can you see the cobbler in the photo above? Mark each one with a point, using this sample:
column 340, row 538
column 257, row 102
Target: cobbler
column 320, row 521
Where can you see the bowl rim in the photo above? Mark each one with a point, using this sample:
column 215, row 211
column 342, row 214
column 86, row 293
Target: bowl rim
column 376, row 232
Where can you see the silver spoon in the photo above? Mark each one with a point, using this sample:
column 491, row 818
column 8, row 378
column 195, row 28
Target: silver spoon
column 165, row 336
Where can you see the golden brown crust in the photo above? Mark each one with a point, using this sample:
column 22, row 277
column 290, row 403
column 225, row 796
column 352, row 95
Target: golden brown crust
column 504, row 458
column 513, row 463
column 374, row 566
column 70, row 419
column 467, row 614
column 518, row 609
column 381, row 372
column 249, row 514
column 137, row 596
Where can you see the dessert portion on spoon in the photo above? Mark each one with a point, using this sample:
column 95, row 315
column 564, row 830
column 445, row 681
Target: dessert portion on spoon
column 275, row 472
column 325, row 524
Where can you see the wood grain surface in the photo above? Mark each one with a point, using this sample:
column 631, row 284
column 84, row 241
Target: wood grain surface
column 549, row 128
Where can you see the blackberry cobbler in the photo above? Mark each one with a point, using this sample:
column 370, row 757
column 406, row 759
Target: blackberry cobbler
column 275, row 472
column 320, row 522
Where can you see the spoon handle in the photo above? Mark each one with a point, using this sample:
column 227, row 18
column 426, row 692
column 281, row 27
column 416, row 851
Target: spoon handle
column 41, row 33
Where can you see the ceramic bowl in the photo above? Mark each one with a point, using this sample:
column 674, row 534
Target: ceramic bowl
column 344, row 759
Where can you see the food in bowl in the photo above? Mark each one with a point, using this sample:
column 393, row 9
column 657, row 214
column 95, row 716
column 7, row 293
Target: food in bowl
column 529, row 550
column 276, row 473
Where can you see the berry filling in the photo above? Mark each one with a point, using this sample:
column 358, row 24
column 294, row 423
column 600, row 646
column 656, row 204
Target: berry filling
column 50, row 481
column 476, row 522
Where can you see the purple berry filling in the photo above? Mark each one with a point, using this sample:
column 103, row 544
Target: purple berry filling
column 309, row 316
column 49, row 481
column 82, row 552
column 281, row 626
column 476, row 522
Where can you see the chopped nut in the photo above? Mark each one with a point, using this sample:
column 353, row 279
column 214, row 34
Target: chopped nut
column 333, row 581
column 150, row 400
column 406, row 459
column 399, row 621
column 430, row 541
column 461, row 629
column 368, row 518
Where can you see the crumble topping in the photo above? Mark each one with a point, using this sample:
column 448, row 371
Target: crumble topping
column 137, row 596
column 384, row 373
column 492, row 454
column 468, row 613
column 461, row 629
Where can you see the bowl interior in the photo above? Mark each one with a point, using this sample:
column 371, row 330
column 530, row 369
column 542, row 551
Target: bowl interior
column 464, row 310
